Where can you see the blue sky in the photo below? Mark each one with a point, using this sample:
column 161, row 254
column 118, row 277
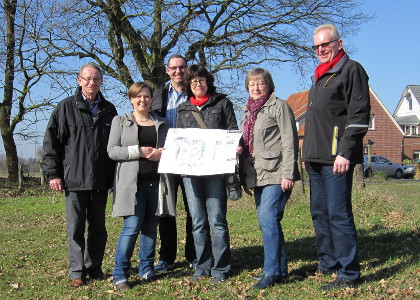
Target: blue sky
column 388, row 47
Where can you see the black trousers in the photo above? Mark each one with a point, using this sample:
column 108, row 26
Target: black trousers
column 168, row 232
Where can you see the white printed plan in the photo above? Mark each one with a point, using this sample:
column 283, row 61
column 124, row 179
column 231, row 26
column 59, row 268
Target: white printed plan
column 195, row 151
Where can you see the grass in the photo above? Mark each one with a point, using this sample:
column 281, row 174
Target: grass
column 33, row 250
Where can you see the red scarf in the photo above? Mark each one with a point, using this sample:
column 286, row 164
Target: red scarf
column 325, row 67
column 248, row 134
column 199, row 102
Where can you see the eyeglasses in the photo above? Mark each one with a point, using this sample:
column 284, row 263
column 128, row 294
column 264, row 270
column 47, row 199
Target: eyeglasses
column 257, row 84
column 95, row 80
column 175, row 68
column 323, row 45
column 197, row 81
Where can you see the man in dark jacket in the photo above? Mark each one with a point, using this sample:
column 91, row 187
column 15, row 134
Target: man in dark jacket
column 337, row 120
column 76, row 161
column 165, row 103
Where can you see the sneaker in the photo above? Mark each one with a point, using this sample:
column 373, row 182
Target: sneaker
column 149, row 276
column 217, row 280
column 163, row 267
column 123, row 286
column 340, row 283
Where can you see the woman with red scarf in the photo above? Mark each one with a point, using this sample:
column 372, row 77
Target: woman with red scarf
column 269, row 167
column 206, row 195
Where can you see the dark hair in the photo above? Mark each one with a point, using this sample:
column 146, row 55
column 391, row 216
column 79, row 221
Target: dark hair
column 176, row 56
column 136, row 87
column 261, row 73
column 198, row 71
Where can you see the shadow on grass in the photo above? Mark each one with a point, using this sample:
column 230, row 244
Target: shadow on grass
column 382, row 252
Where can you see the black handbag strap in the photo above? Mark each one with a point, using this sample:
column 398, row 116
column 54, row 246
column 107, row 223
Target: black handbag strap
column 199, row 119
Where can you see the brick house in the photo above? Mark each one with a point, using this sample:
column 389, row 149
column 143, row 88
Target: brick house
column 384, row 131
column 407, row 115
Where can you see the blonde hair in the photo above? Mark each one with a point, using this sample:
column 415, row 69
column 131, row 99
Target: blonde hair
column 332, row 28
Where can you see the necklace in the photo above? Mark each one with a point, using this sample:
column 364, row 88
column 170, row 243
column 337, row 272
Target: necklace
column 138, row 120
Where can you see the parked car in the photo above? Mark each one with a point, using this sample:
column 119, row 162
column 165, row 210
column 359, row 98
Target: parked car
column 381, row 164
column 409, row 171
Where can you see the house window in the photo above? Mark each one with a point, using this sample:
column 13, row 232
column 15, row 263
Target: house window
column 416, row 155
column 410, row 130
column 410, row 101
column 371, row 122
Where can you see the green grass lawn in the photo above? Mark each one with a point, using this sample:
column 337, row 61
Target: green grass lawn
column 33, row 250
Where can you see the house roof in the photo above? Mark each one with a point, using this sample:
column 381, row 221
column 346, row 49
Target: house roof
column 415, row 90
column 415, row 94
column 408, row 120
column 298, row 103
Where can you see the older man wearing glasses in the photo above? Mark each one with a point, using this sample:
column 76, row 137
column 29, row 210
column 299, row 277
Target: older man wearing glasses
column 337, row 119
column 165, row 103
column 76, row 162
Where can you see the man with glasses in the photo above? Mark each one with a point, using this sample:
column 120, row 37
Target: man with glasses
column 337, row 119
column 165, row 102
column 76, row 162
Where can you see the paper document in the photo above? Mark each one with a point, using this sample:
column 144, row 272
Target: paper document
column 195, row 151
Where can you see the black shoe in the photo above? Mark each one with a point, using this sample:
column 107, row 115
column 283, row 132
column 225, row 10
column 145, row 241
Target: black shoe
column 340, row 283
column 97, row 275
column 195, row 278
column 123, row 286
column 325, row 271
column 281, row 278
column 266, row 281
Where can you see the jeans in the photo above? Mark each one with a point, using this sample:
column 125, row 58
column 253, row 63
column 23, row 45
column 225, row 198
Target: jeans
column 207, row 202
column 144, row 221
column 270, row 201
column 168, row 231
column 86, row 254
column 333, row 220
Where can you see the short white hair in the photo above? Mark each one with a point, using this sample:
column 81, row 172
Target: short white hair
column 332, row 28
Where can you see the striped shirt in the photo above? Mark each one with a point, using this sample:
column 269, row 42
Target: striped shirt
column 174, row 99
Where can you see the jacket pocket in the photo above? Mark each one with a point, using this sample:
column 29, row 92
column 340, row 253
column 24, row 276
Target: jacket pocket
column 270, row 160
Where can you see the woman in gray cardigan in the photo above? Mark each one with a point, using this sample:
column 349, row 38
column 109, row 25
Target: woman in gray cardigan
column 270, row 167
column 136, row 143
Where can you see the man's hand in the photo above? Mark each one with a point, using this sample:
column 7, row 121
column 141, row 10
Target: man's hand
column 341, row 165
column 287, row 184
column 56, row 184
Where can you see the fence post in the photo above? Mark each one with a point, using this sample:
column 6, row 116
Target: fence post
column 41, row 171
column 20, row 176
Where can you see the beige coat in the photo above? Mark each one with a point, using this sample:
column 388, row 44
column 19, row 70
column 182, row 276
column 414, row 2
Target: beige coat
column 124, row 133
column 275, row 145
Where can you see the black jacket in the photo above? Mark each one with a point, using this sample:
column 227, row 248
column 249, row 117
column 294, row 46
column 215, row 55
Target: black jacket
column 339, row 98
column 75, row 145
column 217, row 113
column 160, row 100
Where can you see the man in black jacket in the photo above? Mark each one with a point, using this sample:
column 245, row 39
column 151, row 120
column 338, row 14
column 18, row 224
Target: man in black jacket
column 165, row 103
column 76, row 162
column 337, row 120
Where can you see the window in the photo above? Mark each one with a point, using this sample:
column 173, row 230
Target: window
column 410, row 101
column 416, row 155
column 410, row 130
column 371, row 122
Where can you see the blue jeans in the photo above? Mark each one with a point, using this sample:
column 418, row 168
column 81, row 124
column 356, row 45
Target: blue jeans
column 206, row 196
column 270, row 201
column 144, row 221
column 333, row 220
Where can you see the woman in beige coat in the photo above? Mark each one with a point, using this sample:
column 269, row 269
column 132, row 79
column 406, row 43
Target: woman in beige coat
column 269, row 167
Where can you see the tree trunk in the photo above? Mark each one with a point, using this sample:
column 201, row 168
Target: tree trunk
column 12, row 161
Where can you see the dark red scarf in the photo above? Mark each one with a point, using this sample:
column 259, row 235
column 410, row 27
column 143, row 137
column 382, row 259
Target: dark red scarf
column 199, row 102
column 248, row 134
column 325, row 67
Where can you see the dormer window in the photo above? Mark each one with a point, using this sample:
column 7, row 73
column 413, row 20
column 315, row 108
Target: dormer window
column 410, row 101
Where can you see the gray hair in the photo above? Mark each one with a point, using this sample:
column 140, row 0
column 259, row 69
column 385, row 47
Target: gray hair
column 176, row 56
column 90, row 65
column 332, row 28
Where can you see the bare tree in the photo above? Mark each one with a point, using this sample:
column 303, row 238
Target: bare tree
column 25, row 61
column 131, row 38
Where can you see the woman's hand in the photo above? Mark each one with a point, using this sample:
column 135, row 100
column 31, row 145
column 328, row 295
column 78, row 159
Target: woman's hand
column 239, row 150
column 155, row 154
column 287, row 184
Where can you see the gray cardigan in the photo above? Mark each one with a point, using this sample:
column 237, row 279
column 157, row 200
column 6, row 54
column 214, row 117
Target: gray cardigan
column 124, row 134
column 275, row 145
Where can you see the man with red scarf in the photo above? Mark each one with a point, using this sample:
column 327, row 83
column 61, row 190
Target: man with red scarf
column 336, row 121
